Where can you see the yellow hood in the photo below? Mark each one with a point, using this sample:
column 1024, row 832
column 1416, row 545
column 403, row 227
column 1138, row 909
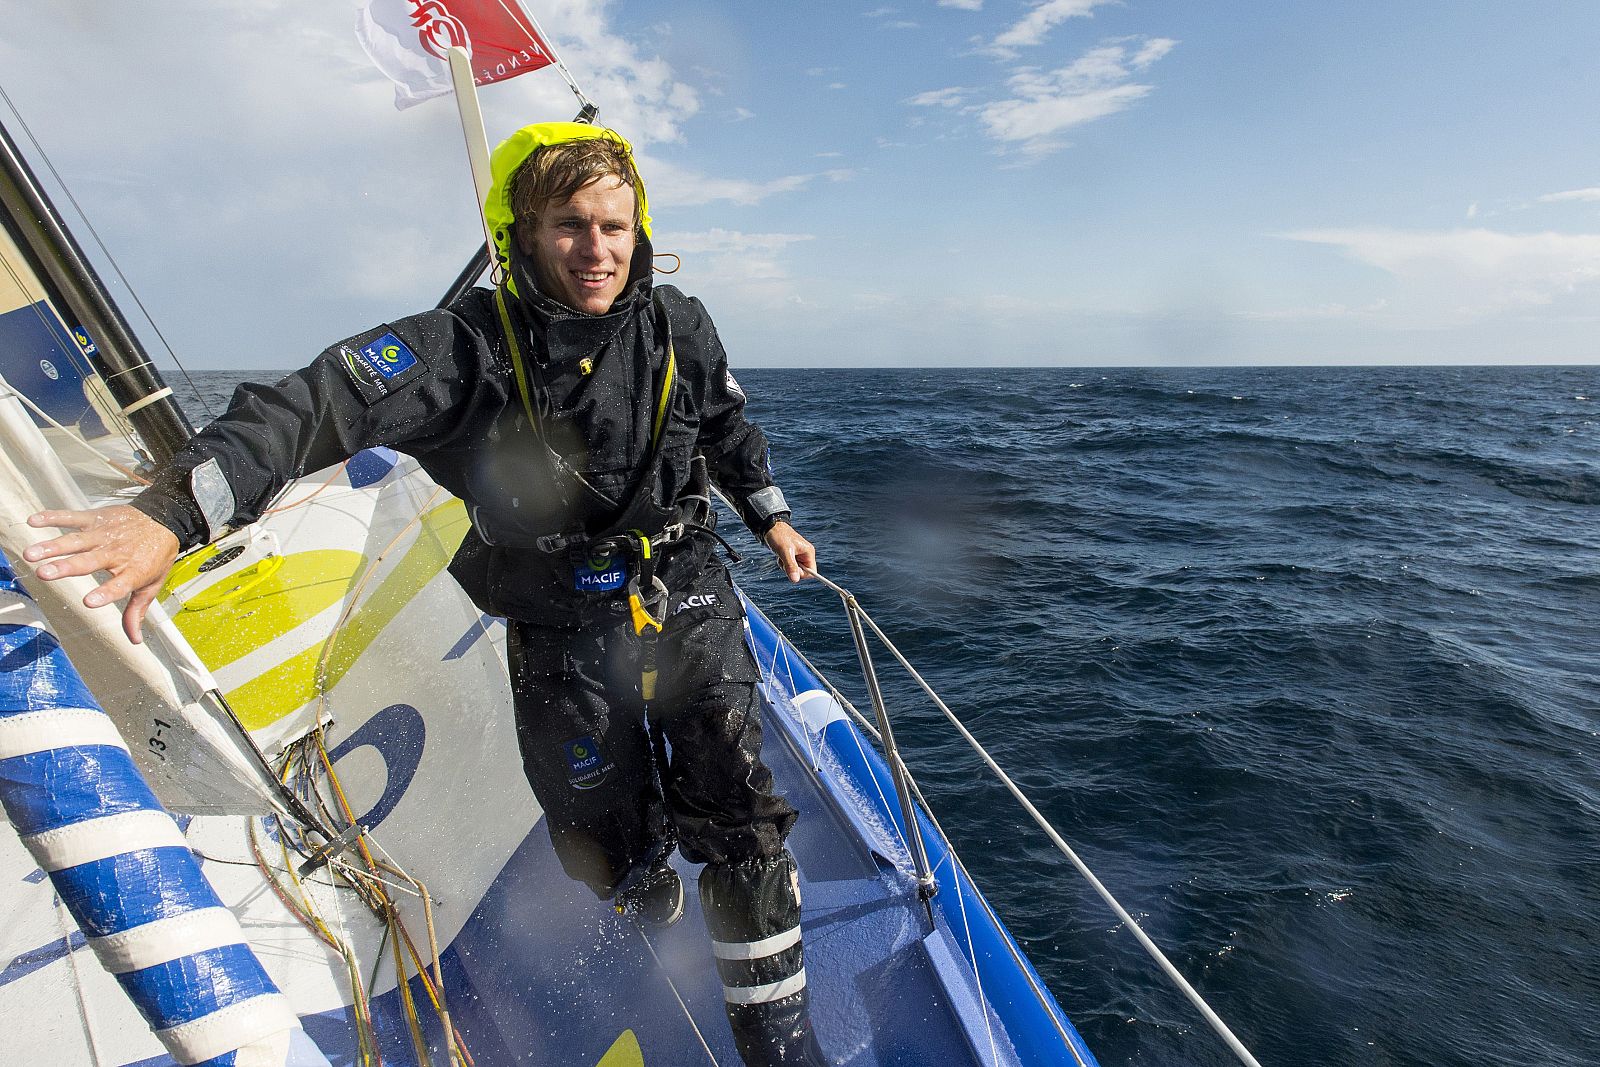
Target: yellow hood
column 511, row 153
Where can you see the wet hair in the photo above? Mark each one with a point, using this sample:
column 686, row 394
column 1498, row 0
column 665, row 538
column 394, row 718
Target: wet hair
column 554, row 173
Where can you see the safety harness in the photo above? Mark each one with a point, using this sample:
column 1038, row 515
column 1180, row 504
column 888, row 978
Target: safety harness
column 593, row 555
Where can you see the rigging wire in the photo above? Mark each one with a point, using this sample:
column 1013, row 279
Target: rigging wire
column 1033, row 982
column 687, row 1014
column 117, row 269
column 1166, row 965
column 786, row 646
column 73, row 435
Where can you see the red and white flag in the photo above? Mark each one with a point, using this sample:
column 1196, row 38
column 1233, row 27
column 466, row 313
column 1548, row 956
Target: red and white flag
column 409, row 40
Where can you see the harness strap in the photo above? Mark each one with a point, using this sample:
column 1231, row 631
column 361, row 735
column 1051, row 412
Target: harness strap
column 669, row 379
column 516, row 354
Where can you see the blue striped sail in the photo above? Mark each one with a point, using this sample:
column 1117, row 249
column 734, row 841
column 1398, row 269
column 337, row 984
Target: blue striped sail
column 118, row 860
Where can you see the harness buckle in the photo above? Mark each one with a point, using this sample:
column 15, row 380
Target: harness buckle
column 649, row 616
column 649, row 612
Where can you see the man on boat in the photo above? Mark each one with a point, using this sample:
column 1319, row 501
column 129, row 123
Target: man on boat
column 581, row 412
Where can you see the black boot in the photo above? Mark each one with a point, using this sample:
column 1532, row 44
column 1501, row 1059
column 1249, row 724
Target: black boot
column 656, row 899
column 753, row 913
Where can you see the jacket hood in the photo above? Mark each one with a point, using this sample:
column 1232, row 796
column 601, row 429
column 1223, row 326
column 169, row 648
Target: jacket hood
column 511, row 153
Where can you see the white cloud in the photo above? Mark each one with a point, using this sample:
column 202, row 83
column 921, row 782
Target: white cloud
column 744, row 269
column 1472, row 273
column 1321, row 311
column 637, row 93
column 1035, row 118
column 963, row 5
column 1036, row 25
column 674, row 185
column 720, row 242
column 1046, row 103
column 951, row 97
column 272, row 160
column 671, row 185
column 742, row 114
column 1572, row 196
column 1154, row 48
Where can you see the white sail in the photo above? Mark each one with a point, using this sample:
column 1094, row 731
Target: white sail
column 162, row 698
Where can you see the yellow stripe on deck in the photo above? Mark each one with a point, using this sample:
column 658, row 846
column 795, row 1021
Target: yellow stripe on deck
column 624, row 1052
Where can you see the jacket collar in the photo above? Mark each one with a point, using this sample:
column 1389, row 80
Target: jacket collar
column 569, row 334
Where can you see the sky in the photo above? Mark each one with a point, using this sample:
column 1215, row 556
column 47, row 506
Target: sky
column 923, row 183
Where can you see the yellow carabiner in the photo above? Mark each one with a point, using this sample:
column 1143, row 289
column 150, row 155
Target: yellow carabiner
column 642, row 618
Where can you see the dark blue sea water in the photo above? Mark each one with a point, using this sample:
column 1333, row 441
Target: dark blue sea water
column 1304, row 662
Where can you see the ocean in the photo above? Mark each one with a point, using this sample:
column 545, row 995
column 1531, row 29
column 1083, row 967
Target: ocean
column 1302, row 661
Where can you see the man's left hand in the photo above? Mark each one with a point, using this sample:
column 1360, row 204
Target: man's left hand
column 795, row 553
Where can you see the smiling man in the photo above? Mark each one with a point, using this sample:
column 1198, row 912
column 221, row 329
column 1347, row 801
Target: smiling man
column 581, row 412
column 582, row 248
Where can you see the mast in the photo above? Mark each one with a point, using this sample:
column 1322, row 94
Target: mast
column 72, row 285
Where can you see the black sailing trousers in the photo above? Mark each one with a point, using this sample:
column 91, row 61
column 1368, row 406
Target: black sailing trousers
column 622, row 781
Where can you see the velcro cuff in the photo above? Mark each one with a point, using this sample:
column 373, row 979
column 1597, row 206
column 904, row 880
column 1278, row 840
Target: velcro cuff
column 765, row 503
column 214, row 496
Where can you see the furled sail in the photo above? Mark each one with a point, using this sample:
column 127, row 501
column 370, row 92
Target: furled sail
column 162, row 698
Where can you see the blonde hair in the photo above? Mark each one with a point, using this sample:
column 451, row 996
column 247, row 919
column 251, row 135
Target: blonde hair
column 555, row 173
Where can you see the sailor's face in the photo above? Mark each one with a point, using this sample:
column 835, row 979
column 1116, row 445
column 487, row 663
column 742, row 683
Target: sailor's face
column 581, row 248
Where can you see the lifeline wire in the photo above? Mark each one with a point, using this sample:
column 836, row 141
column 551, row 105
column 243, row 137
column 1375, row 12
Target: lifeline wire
column 73, row 435
column 788, row 649
column 1150, row 946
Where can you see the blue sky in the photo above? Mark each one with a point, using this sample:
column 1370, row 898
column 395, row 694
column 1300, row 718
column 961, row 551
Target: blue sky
column 965, row 182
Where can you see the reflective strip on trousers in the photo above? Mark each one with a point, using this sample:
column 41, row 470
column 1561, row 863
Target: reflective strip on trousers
column 755, row 950
column 763, row 994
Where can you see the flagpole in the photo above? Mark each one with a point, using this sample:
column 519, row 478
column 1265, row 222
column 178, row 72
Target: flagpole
column 472, row 129
column 477, row 140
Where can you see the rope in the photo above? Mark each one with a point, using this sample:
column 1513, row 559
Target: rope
column 536, row 35
column 786, row 646
column 308, row 498
column 305, row 912
column 370, row 883
column 1016, row 956
column 782, row 646
column 66, row 924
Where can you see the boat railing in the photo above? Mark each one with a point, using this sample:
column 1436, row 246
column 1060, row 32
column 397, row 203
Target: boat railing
column 906, row 788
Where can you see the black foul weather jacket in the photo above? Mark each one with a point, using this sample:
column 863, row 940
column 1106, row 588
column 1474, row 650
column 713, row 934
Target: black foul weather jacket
column 443, row 387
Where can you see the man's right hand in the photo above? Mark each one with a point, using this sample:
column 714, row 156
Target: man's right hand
column 136, row 549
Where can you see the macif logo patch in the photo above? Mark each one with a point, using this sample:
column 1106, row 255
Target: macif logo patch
column 599, row 575
column 587, row 766
column 388, row 355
